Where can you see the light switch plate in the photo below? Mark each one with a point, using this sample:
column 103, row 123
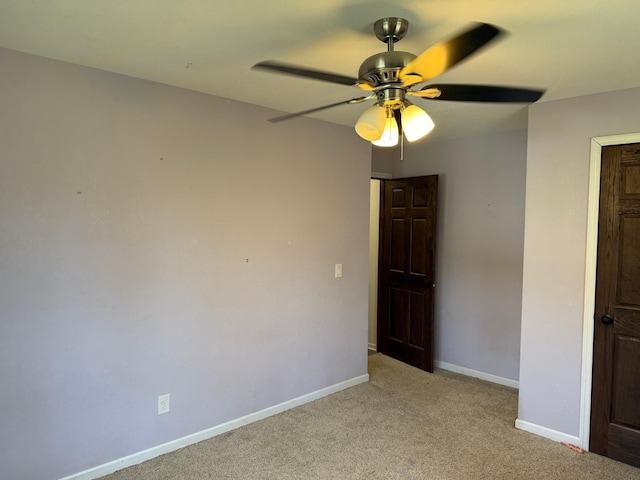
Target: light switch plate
column 338, row 270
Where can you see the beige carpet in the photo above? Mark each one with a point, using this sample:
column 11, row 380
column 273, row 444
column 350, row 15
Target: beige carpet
column 403, row 424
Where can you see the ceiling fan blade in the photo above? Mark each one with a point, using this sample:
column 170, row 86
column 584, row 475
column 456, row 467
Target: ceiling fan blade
column 306, row 73
column 317, row 109
column 440, row 57
column 479, row 93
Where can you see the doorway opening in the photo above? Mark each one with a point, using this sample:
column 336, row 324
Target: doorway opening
column 374, row 235
column 597, row 144
column 406, row 268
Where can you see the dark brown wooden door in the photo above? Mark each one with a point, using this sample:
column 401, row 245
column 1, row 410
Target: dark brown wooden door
column 615, row 412
column 407, row 270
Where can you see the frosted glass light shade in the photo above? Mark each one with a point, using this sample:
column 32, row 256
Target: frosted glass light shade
column 416, row 123
column 389, row 137
column 371, row 123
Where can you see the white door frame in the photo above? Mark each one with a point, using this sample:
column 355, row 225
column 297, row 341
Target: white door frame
column 590, row 275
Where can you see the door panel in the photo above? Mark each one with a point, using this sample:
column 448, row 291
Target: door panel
column 398, row 301
column 407, row 270
column 419, row 231
column 626, row 382
column 398, row 260
column 620, row 437
column 629, row 260
column 615, row 416
column 417, row 319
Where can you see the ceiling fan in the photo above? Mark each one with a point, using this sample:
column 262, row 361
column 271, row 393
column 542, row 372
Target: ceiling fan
column 391, row 77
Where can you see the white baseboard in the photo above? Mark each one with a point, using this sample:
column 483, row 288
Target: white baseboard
column 373, row 347
column 507, row 382
column 548, row 433
column 179, row 443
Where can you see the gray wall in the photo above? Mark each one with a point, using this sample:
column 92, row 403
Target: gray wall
column 155, row 240
column 480, row 235
column 555, row 249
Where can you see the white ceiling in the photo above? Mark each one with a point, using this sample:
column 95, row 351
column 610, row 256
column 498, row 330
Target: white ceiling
column 569, row 47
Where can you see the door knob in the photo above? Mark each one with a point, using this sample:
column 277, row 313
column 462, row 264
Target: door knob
column 607, row 319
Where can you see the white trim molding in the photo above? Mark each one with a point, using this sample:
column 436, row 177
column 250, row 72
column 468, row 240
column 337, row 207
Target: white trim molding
column 547, row 432
column 381, row 176
column 179, row 443
column 590, row 276
column 507, row 382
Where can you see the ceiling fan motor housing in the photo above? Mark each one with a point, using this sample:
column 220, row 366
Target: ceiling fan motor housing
column 384, row 67
column 382, row 71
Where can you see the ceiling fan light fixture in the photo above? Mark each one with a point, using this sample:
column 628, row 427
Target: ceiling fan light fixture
column 391, row 76
column 390, row 134
column 416, row 123
column 371, row 123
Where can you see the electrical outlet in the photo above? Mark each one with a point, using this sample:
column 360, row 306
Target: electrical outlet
column 163, row 404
